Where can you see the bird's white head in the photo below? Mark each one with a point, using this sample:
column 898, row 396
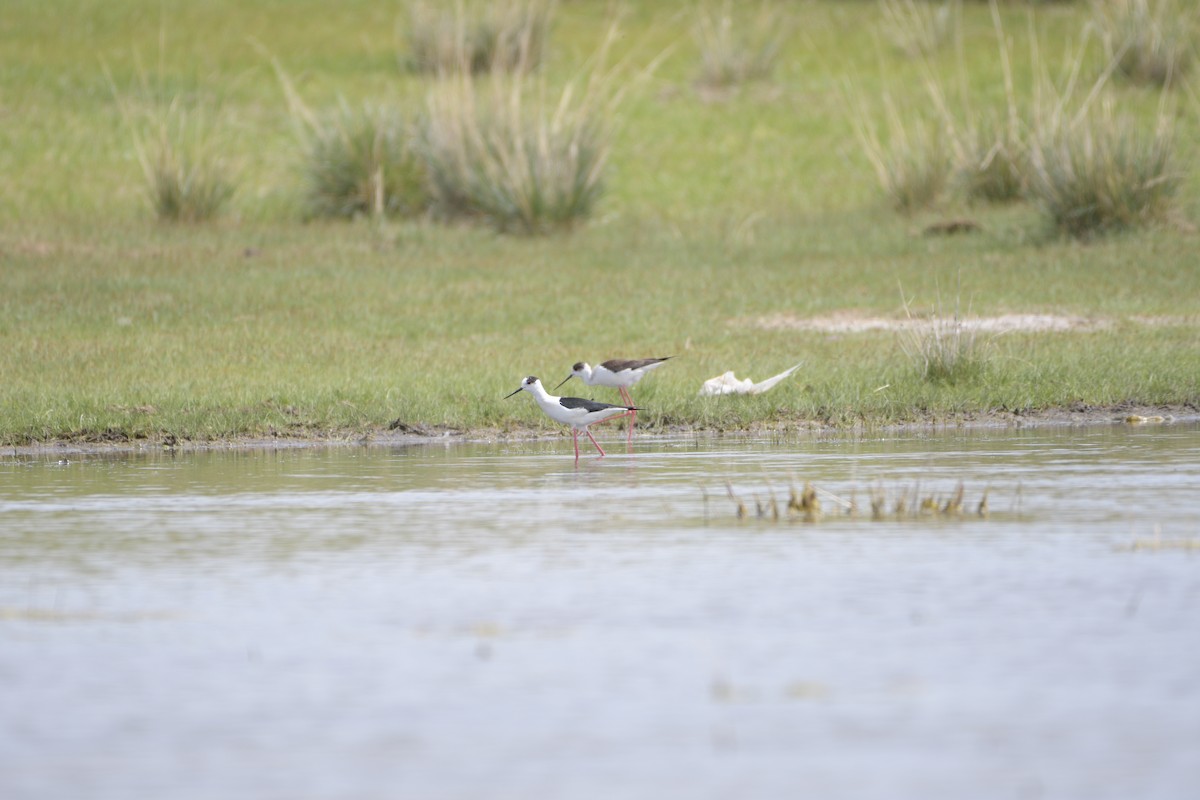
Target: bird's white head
column 527, row 385
column 581, row 370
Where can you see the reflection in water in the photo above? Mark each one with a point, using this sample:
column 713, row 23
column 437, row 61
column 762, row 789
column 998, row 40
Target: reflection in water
column 458, row 620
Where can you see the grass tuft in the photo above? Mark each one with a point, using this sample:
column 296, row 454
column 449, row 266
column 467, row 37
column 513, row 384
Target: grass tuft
column 363, row 164
column 911, row 164
column 1153, row 43
column 505, row 36
column 1100, row 172
column 355, row 163
column 917, row 28
column 944, row 350
column 994, row 162
column 734, row 51
column 516, row 153
column 187, row 178
column 186, row 174
column 510, row 157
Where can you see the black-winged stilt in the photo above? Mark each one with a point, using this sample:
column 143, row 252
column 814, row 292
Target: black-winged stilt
column 617, row 373
column 573, row 411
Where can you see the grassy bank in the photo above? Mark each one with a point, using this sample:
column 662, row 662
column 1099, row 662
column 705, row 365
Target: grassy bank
column 724, row 220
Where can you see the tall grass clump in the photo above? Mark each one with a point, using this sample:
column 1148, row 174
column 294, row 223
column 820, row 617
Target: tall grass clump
column 918, row 28
column 1087, row 167
column 187, row 176
column 1153, row 43
column 1100, row 171
column 512, row 158
column 1094, row 170
column 942, row 145
column 501, row 36
column 734, row 50
column 527, row 158
column 993, row 162
column 186, row 172
column 911, row 162
column 360, row 163
column 992, row 147
column 363, row 164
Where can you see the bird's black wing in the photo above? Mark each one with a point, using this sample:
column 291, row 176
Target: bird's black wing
column 620, row 365
column 589, row 405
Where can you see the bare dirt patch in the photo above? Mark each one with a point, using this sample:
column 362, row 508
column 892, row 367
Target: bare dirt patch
column 843, row 322
column 854, row 322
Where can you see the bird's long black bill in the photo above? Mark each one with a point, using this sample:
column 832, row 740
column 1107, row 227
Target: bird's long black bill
column 564, row 380
column 519, row 388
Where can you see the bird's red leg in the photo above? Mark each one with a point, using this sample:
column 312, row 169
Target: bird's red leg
column 575, row 439
column 593, row 438
column 632, row 414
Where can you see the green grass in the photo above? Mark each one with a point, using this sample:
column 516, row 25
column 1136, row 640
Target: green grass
column 714, row 216
column 362, row 164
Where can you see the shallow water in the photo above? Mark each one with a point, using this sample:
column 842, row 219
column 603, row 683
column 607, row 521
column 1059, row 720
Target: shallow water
column 452, row 621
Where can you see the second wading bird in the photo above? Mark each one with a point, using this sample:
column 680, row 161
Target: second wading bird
column 618, row 373
column 573, row 411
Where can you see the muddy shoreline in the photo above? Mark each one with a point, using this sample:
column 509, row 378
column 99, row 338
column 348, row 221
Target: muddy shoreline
column 408, row 435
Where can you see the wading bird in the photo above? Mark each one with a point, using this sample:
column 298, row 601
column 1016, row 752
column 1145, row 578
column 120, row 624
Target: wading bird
column 620, row 374
column 573, row 411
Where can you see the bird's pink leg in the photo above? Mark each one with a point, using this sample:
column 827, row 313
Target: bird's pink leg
column 632, row 414
column 575, row 439
column 593, row 438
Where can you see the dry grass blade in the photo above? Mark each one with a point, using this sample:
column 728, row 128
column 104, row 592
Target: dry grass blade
column 804, row 505
column 993, row 153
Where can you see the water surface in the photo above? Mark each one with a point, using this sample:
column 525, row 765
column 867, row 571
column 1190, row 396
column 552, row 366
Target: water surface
column 456, row 620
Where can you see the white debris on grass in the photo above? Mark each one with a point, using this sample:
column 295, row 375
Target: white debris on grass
column 729, row 384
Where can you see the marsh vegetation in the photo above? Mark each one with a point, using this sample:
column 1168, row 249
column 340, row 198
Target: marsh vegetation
column 280, row 233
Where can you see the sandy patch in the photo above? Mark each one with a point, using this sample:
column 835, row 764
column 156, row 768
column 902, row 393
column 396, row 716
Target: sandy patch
column 853, row 322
